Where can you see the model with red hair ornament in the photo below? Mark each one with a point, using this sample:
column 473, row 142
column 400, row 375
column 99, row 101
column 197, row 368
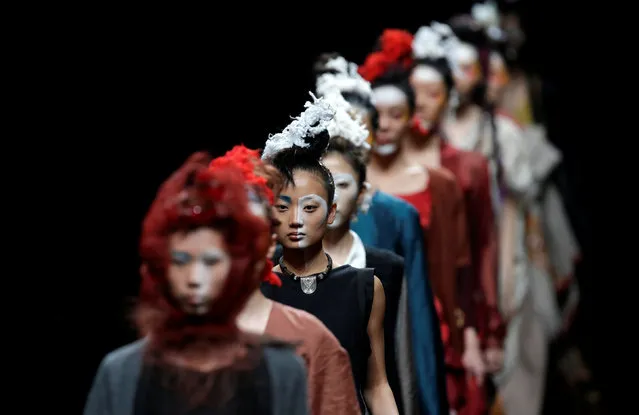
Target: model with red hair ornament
column 203, row 254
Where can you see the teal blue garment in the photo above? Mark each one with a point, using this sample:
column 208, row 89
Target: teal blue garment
column 392, row 223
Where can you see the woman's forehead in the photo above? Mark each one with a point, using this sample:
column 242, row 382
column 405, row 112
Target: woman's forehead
column 305, row 183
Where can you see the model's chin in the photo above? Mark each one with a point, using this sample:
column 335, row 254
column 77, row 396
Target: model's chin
column 385, row 149
column 337, row 222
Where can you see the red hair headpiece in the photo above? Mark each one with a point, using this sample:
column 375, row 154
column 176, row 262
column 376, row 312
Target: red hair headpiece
column 195, row 196
column 395, row 49
column 255, row 174
column 248, row 161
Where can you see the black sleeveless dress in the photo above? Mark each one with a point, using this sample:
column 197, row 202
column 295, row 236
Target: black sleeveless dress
column 343, row 302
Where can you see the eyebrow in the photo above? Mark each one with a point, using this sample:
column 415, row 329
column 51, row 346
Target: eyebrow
column 285, row 198
column 313, row 198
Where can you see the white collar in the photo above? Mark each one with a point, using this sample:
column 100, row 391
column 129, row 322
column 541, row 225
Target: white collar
column 357, row 255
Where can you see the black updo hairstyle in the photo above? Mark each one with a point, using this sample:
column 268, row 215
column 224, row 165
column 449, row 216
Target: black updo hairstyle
column 307, row 159
column 398, row 77
column 355, row 99
column 357, row 157
column 320, row 68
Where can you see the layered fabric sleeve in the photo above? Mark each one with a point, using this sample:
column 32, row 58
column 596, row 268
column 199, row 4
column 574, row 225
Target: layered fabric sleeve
column 466, row 315
column 330, row 380
column 288, row 382
column 428, row 356
column 100, row 396
column 515, row 160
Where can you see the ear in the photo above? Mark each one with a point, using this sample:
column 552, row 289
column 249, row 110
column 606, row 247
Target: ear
column 331, row 213
column 362, row 194
column 144, row 269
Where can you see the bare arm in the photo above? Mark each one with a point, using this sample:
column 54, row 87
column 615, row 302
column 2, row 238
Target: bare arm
column 378, row 394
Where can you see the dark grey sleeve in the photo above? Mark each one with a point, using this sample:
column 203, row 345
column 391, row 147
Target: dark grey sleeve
column 99, row 399
column 288, row 382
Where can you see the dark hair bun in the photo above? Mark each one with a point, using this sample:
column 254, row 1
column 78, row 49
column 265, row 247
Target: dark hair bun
column 468, row 30
column 320, row 68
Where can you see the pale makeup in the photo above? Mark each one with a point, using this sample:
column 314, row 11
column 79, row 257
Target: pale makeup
column 388, row 95
column 198, row 278
column 424, row 73
column 384, row 97
column 430, row 94
column 301, row 214
column 385, row 149
column 345, row 193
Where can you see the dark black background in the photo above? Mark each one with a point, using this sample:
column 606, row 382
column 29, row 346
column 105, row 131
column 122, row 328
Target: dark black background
column 148, row 89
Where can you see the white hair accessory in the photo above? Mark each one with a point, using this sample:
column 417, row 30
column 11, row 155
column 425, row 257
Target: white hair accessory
column 487, row 16
column 342, row 83
column 345, row 80
column 343, row 124
column 311, row 122
column 427, row 43
column 437, row 41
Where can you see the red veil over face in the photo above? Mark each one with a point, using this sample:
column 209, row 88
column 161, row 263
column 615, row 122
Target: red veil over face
column 263, row 178
column 194, row 197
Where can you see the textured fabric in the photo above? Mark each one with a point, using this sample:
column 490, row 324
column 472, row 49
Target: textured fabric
column 343, row 302
column 357, row 255
column 114, row 386
column 331, row 389
column 448, row 248
column 393, row 224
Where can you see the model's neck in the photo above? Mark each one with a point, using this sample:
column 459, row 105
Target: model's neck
column 384, row 162
column 254, row 316
column 305, row 261
column 339, row 241
column 419, row 142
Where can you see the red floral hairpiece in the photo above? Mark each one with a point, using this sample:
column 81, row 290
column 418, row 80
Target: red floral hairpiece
column 396, row 48
column 247, row 161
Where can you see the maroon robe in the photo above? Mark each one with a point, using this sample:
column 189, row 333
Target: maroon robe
column 472, row 173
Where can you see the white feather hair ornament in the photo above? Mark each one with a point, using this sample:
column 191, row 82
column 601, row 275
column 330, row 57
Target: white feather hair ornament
column 312, row 121
column 347, row 79
column 487, row 16
column 343, row 124
column 437, row 41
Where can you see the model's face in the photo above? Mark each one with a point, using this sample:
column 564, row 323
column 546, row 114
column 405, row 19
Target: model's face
column 430, row 94
column 469, row 74
column 303, row 212
column 347, row 193
column 394, row 115
column 200, row 264
column 497, row 78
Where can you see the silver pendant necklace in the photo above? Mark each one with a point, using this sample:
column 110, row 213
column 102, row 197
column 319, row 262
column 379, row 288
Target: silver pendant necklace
column 308, row 283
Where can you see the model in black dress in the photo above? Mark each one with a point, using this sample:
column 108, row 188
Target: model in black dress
column 349, row 301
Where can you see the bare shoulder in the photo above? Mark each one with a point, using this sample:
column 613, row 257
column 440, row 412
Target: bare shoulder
column 379, row 297
column 377, row 284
